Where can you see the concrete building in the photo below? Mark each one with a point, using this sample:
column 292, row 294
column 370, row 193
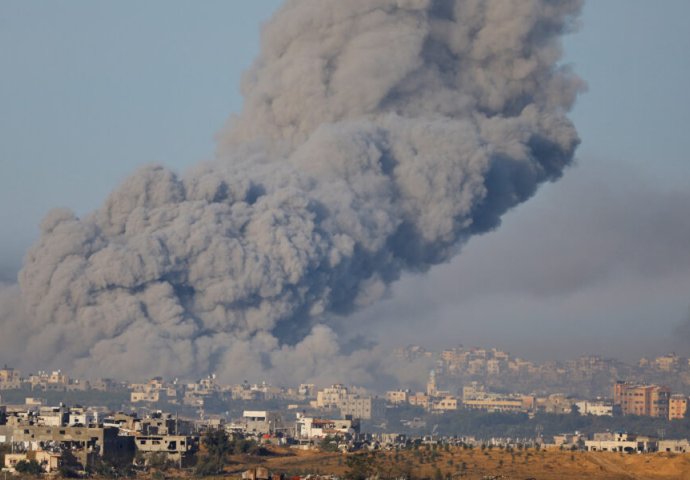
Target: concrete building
column 674, row 446
column 494, row 366
column 397, row 397
column 159, row 423
column 179, row 449
column 596, row 408
column 621, row 442
column 473, row 391
column 10, row 379
column 569, row 440
column 261, row 422
column 49, row 461
column 307, row 390
column 420, row 399
column 349, row 403
column 496, row 403
column 364, row 408
column 331, row 397
column 557, row 403
column 667, row 363
column 145, row 397
column 85, row 443
column 445, row 404
column 677, row 407
column 644, row 400
column 155, row 390
column 82, row 417
column 310, row 428
column 475, row 397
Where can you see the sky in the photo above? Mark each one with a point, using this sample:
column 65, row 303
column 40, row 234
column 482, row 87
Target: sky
column 596, row 263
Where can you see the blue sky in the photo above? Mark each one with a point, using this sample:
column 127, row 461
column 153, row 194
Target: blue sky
column 91, row 89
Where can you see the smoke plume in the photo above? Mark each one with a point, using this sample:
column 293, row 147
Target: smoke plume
column 377, row 136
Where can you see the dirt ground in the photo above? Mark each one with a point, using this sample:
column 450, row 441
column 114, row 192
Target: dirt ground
column 482, row 464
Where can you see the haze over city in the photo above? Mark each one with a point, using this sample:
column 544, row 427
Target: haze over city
column 597, row 262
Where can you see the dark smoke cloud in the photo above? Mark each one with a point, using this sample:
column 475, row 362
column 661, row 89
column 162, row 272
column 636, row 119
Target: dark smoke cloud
column 681, row 336
column 591, row 266
column 377, row 137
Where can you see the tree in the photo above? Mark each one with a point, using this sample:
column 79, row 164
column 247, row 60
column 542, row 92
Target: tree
column 360, row 466
column 207, row 466
column 107, row 469
column 218, row 446
column 329, row 444
column 69, row 465
column 30, row 467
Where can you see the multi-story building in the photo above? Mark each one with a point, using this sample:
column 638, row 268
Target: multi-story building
column 520, row 366
column 555, row 403
column 473, row 391
column 331, row 397
column 644, row 400
column 84, row 442
column 307, row 390
column 10, row 379
column 494, row 366
column 54, row 381
column 678, row 407
column 496, row 404
column 419, row 399
column 476, row 366
column 179, row 449
column 445, row 404
column 262, row 422
column 316, row 428
column 364, row 408
column 397, row 397
column 667, row 363
column 155, row 390
column 355, row 405
column 621, row 442
column 149, row 397
column 597, row 408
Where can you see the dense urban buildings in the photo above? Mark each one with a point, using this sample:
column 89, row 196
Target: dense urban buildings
column 458, row 380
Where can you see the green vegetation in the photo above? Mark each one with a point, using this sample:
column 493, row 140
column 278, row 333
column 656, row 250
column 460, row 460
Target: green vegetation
column 69, row 465
column 519, row 425
column 361, row 466
column 329, row 444
column 515, row 425
column 30, row 467
column 219, row 446
column 107, row 469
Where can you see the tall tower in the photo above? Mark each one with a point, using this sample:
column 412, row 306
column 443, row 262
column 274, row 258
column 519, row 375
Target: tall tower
column 431, row 384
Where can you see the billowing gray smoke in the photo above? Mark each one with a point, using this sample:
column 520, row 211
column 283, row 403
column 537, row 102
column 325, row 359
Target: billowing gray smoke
column 377, row 137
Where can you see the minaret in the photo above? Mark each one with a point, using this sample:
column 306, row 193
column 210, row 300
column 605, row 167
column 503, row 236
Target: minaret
column 431, row 384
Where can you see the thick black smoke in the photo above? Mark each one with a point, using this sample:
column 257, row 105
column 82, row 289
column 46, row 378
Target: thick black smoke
column 377, row 137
